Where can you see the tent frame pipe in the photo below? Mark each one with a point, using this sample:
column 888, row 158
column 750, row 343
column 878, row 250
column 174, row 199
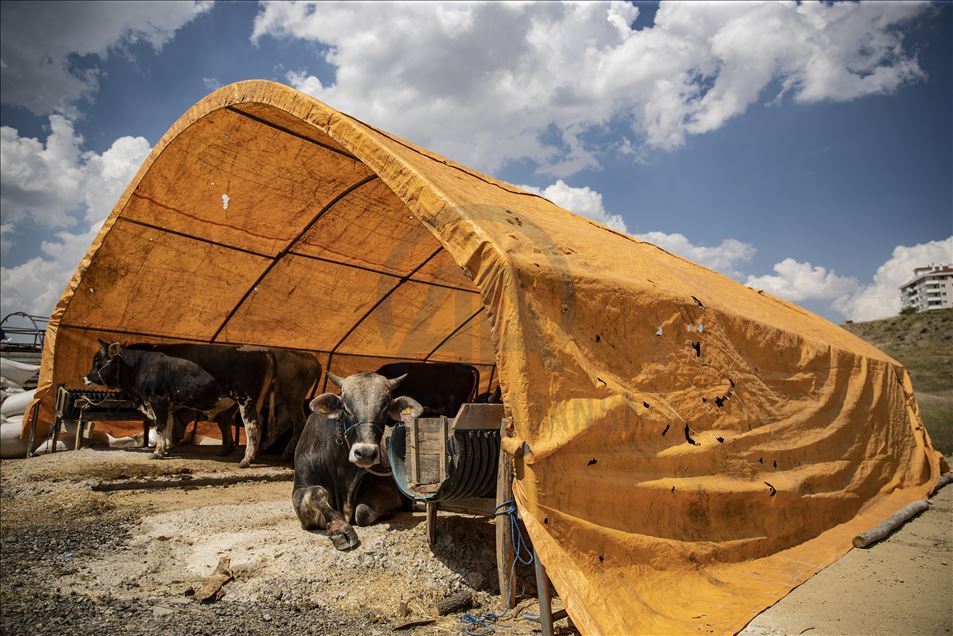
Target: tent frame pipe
column 545, row 599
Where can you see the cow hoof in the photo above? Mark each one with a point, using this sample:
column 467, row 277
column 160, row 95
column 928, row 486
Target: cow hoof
column 343, row 537
column 343, row 542
column 245, row 463
column 156, row 456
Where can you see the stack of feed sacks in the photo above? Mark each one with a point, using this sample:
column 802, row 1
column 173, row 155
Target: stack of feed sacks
column 14, row 402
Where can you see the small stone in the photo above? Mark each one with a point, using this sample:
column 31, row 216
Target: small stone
column 474, row 579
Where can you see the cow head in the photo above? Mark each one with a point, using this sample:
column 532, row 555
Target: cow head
column 363, row 409
column 105, row 369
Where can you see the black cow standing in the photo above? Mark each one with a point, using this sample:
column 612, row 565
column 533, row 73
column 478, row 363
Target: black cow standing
column 295, row 373
column 334, row 484
column 245, row 375
column 158, row 384
column 441, row 387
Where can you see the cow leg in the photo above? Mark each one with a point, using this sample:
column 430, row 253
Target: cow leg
column 315, row 513
column 224, row 421
column 250, row 417
column 297, row 426
column 380, row 501
column 165, row 425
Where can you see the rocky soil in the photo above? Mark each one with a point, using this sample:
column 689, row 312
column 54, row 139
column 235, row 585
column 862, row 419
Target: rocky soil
column 77, row 559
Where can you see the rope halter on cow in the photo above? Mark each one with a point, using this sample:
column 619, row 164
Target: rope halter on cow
column 342, row 439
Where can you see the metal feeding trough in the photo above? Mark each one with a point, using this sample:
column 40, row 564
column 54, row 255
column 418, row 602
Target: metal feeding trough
column 456, row 464
column 439, row 460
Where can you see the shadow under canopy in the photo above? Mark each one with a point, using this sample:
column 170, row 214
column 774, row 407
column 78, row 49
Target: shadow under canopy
column 694, row 449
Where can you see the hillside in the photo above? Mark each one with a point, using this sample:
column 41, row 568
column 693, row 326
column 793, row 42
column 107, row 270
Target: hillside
column 923, row 343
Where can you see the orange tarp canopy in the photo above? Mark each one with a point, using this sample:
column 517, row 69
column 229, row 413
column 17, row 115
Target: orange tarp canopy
column 694, row 448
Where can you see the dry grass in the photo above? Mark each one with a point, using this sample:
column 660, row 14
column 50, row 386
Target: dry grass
column 923, row 343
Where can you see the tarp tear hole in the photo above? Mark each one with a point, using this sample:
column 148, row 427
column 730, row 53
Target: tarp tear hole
column 721, row 440
column 673, row 490
column 775, row 464
column 601, row 558
column 697, row 346
column 774, row 490
column 598, row 338
column 698, row 302
column 546, row 521
column 760, row 460
column 688, row 436
column 592, row 461
column 720, row 401
column 646, row 405
column 667, row 426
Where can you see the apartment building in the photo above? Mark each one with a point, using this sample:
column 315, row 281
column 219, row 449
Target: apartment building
column 930, row 288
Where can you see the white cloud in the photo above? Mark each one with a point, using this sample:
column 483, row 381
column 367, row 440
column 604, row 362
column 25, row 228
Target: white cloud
column 36, row 285
column 797, row 282
column 724, row 257
column 881, row 298
column 6, row 232
column 584, row 201
column 51, row 183
column 484, row 83
column 39, row 38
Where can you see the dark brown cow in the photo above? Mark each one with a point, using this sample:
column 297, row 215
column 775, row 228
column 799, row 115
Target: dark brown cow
column 335, row 482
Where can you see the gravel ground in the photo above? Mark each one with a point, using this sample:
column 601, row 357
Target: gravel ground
column 75, row 560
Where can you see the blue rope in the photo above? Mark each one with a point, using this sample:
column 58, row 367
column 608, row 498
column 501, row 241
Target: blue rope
column 478, row 625
column 520, row 544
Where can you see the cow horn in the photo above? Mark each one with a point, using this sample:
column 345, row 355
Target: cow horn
column 337, row 380
column 396, row 381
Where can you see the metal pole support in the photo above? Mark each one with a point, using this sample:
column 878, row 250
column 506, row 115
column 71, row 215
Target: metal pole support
column 545, row 599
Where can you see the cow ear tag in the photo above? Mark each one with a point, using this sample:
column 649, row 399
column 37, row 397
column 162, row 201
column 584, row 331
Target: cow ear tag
column 324, row 410
column 407, row 410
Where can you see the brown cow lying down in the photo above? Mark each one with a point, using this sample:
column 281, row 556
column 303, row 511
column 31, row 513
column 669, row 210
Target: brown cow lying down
column 341, row 442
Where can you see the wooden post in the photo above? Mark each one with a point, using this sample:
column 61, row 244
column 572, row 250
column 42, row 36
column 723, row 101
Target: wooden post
column 55, row 435
column 431, row 522
column 505, row 554
column 32, row 436
column 79, row 434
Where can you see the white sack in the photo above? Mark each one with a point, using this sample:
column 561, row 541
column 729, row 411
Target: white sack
column 17, row 371
column 17, row 404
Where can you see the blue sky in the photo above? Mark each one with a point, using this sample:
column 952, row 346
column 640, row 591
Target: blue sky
column 803, row 149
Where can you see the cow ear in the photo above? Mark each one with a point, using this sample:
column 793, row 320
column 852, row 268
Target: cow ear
column 114, row 349
column 328, row 405
column 103, row 344
column 405, row 408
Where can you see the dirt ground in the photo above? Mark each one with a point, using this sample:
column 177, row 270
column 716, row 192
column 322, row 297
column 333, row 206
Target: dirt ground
column 90, row 544
column 81, row 553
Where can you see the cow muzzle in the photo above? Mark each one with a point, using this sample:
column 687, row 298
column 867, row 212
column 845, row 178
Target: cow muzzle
column 86, row 381
column 364, row 455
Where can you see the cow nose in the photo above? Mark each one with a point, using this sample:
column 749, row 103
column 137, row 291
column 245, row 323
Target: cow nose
column 364, row 455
